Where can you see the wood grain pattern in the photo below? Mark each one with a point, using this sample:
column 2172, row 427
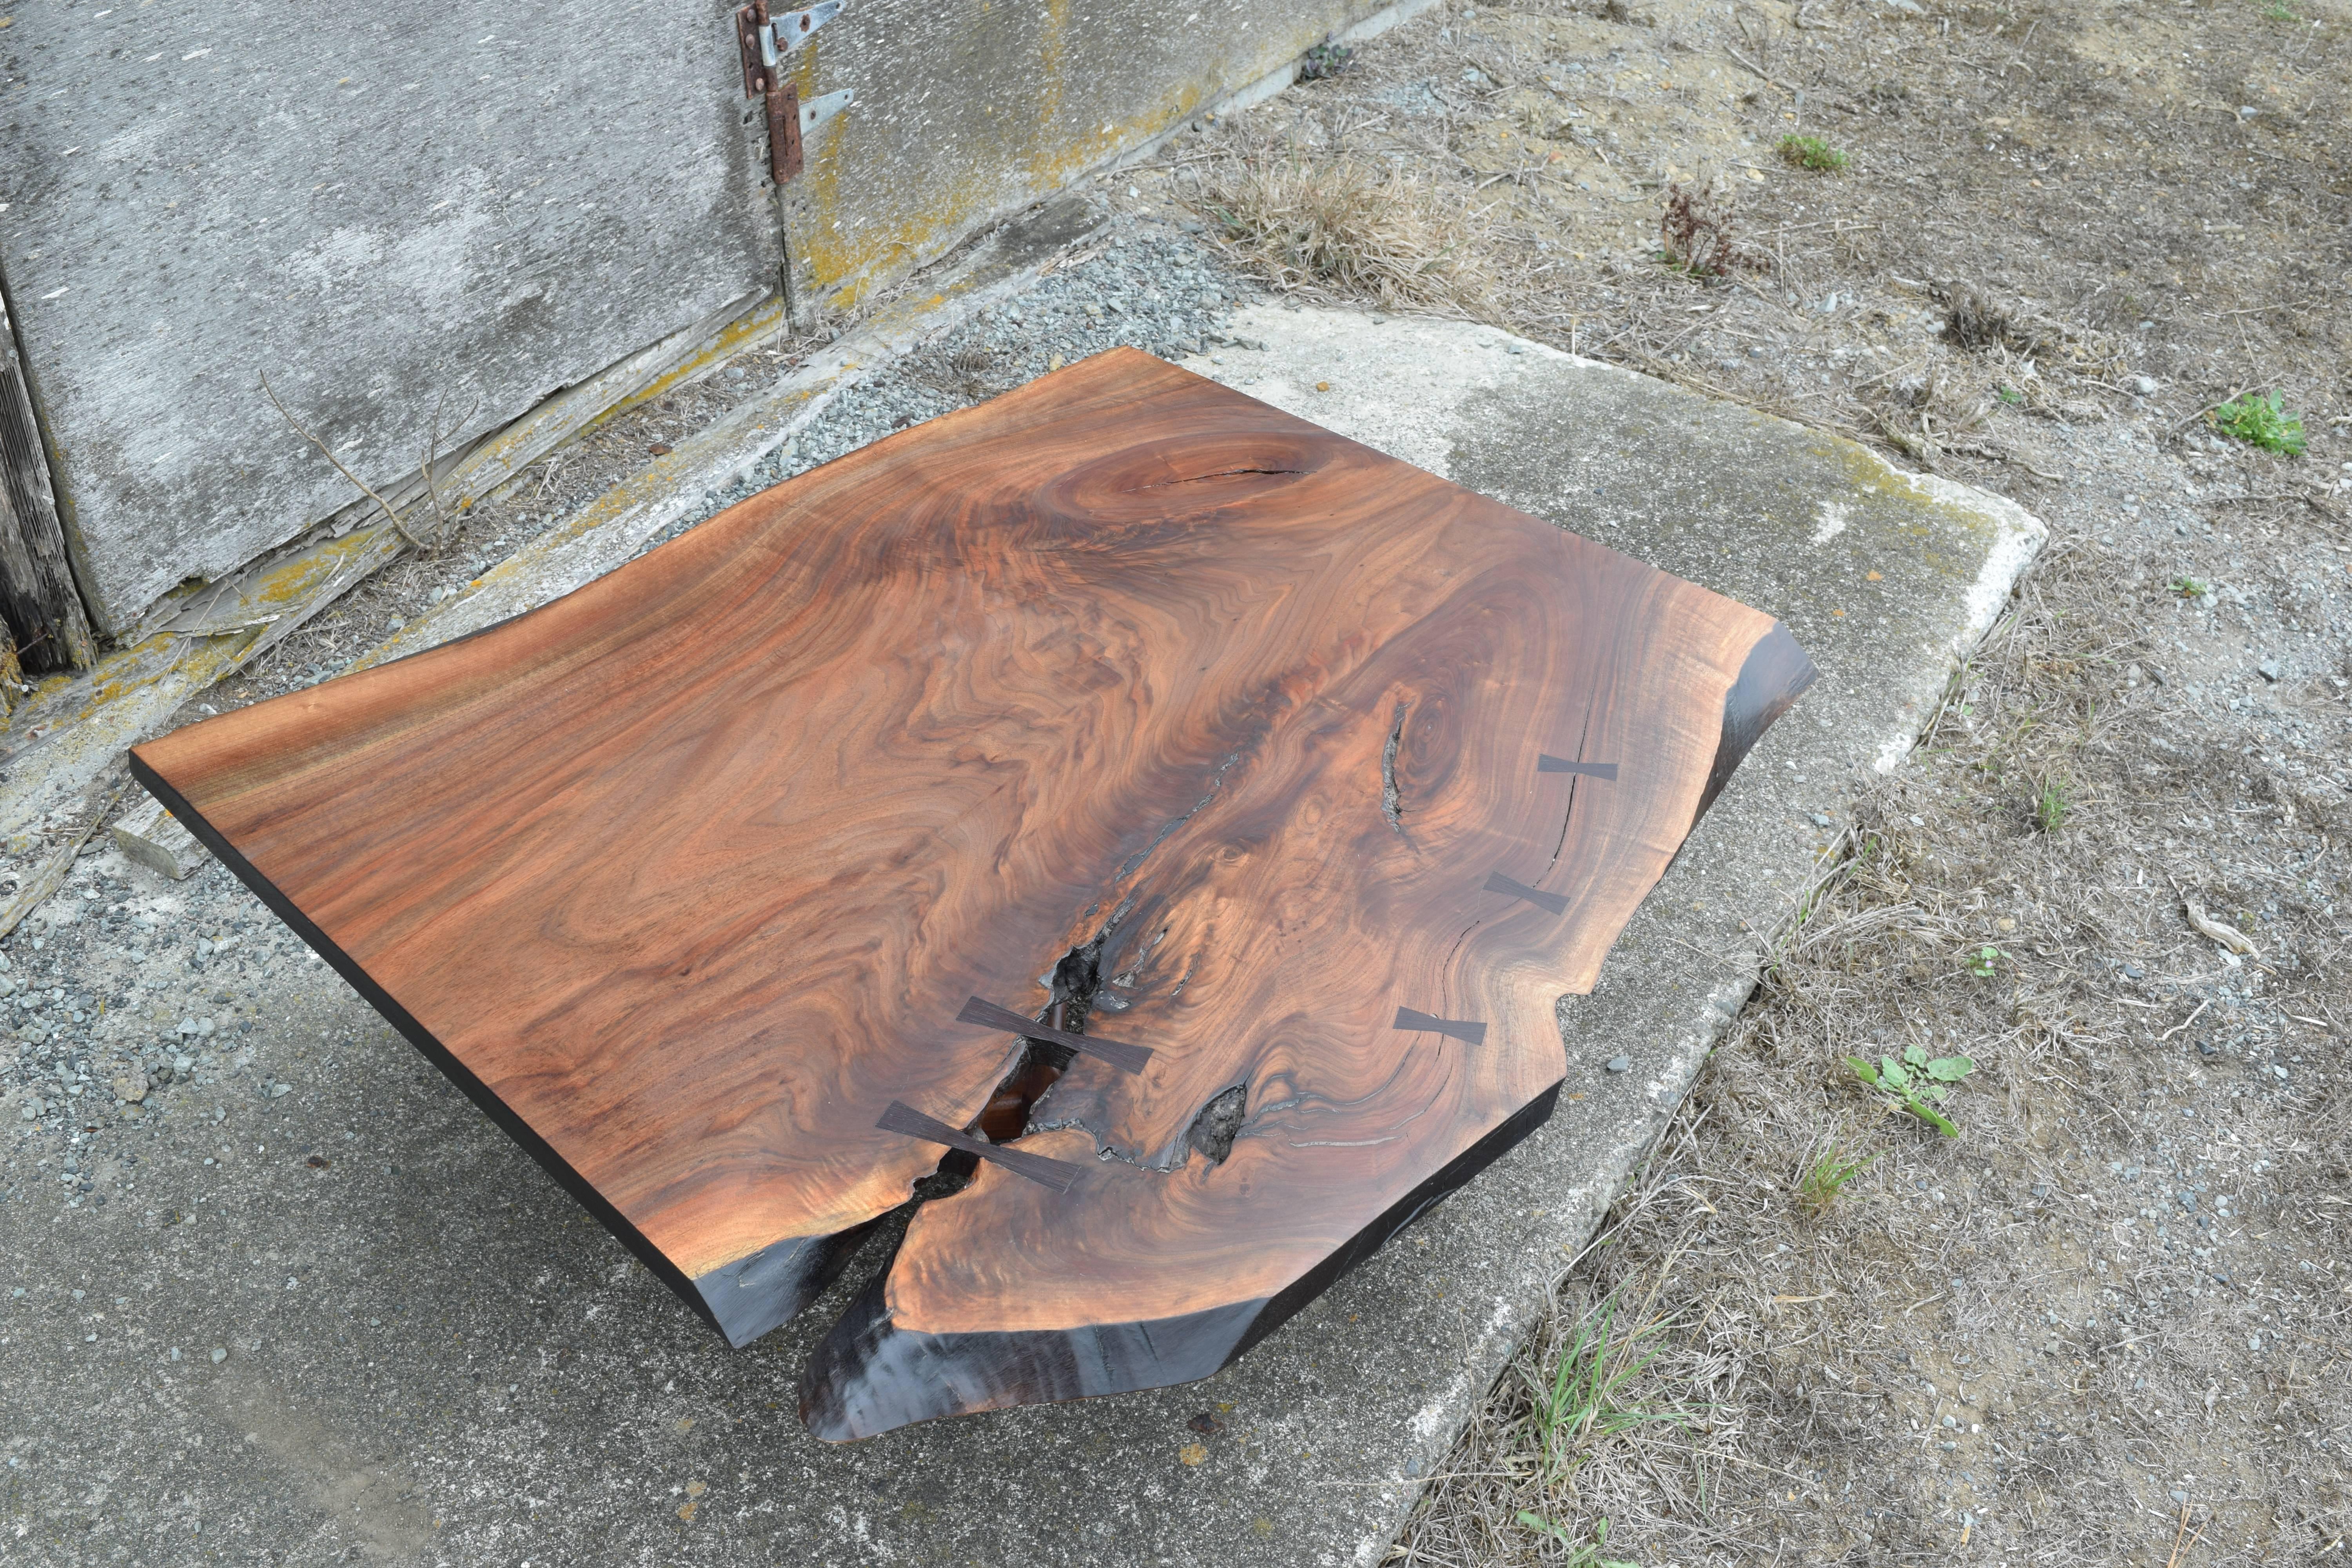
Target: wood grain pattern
column 1240, row 735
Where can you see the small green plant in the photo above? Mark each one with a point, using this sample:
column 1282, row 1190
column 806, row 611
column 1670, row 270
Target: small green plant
column 1586, row 1397
column 1813, row 153
column 2190, row 588
column 1917, row 1083
column 1581, row 1553
column 2009, row 396
column 2276, row 11
column 1825, row 1178
column 2050, row 806
column 2265, row 422
column 1985, row 962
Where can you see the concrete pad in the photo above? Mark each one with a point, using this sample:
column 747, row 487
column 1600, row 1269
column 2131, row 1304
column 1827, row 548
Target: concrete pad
column 447, row 1362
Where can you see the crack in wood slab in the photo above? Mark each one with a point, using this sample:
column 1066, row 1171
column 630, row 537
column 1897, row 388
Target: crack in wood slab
column 1392, row 799
column 1215, row 473
column 1125, row 1057
column 905, row 1119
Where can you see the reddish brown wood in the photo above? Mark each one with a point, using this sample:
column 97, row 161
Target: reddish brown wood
column 1246, row 735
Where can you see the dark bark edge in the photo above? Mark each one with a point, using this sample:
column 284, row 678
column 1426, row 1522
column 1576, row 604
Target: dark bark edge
column 868, row 1376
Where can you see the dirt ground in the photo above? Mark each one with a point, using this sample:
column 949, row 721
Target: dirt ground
column 2106, row 1322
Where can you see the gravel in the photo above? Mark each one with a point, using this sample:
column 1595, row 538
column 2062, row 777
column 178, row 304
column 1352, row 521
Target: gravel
column 131, row 999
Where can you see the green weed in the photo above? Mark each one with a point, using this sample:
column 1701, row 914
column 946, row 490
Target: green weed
column 2265, row 422
column 2190, row 588
column 1825, row 1178
column 1917, row 1083
column 1985, row 962
column 1813, row 153
column 1581, row 1553
column 2049, row 807
column 2009, row 396
column 1587, row 1394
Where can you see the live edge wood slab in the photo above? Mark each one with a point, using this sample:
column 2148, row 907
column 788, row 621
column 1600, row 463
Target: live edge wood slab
column 1291, row 784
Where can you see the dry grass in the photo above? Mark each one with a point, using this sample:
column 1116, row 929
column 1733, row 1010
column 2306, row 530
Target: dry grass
column 1623, row 1412
column 1315, row 222
column 1974, row 322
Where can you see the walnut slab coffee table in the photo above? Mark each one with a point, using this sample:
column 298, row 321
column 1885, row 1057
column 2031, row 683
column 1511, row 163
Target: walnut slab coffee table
column 1170, row 820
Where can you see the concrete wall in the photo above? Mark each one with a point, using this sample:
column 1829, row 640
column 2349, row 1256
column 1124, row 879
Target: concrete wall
column 454, row 203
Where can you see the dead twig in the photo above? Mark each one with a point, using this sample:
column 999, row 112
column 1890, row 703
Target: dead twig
column 2207, row 926
column 2185, row 1021
column 1760, row 70
column 2182, row 1539
column 430, row 464
column 390, row 516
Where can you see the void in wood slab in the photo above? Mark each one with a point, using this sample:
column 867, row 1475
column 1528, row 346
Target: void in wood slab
column 1311, row 779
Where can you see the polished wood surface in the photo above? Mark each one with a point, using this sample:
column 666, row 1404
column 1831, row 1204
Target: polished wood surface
column 1304, row 779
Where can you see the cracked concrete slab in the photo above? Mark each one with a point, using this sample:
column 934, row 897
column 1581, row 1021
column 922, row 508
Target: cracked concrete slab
column 431, row 1354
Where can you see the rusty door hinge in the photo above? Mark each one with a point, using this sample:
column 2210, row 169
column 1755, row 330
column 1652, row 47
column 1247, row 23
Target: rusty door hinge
column 764, row 41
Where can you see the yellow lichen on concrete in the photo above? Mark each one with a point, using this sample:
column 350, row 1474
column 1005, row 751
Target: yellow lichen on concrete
column 863, row 232
column 762, row 322
column 79, row 725
column 541, row 569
